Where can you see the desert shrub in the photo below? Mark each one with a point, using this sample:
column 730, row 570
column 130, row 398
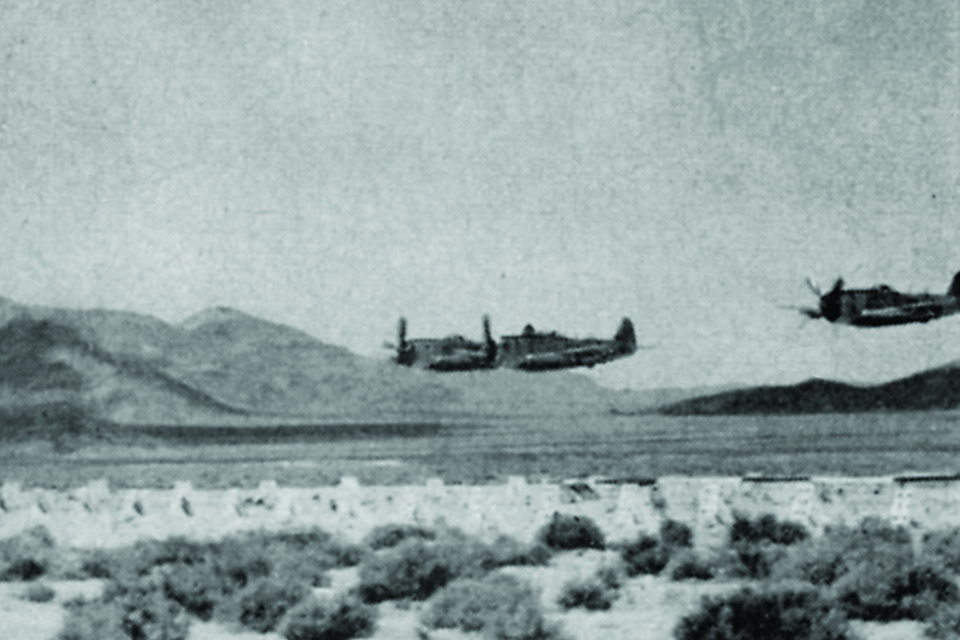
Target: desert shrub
column 412, row 569
column 610, row 576
column 417, row 567
column 390, row 535
column 340, row 618
column 507, row 551
column 944, row 624
column 676, row 534
column 590, row 593
column 137, row 611
column 262, row 604
column 39, row 592
column 645, row 555
column 27, row 556
column 306, row 554
column 239, row 561
column 874, row 543
column 571, row 532
column 500, row 605
column 766, row 529
column 784, row 614
column 754, row 560
column 92, row 620
column 871, row 592
column 942, row 548
column 96, row 563
column 760, row 545
column 690, row 566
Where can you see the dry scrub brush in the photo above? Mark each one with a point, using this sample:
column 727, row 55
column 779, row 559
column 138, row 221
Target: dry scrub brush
column 776, row 614
column 253, row 579
column 417, row 567
column 500, row 606
column 340, row 618
column 565, row 532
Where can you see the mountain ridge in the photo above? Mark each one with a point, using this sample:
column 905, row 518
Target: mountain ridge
column 936, row 389
column 226, row 367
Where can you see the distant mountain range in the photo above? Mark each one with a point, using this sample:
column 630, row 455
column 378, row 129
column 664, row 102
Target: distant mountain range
column 935, row 389
column 65, row 371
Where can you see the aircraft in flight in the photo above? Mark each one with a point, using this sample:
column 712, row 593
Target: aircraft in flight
column 882, row 306
column 453, row 353
column 529, row 351
column 536, row 351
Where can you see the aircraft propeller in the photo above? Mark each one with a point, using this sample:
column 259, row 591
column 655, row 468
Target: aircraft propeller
column 829, row 306
column 401, row 334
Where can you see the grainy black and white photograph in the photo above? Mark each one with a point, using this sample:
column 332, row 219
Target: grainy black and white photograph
column 488, row 319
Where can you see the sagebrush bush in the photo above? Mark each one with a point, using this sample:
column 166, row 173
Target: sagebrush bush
column 675, row 534
column 252, row 578
column 874, row 543
column 502, row 606
column 781, row 614
column 942, row 548
column 754, row 560
column 137, row 611
column 645, row 555
column 871, row 592
column 96, row 563
column 507, row 551
column 767, row 529
column 28, row 555
column 589, row 593
column 417, row 567
column 340, row 618
column 412, row 569
column 262, row 604
column 691, row 566
column 390, row 535
column 92, row 620
column 944, row 624
column 39, row 592
column 567, row 532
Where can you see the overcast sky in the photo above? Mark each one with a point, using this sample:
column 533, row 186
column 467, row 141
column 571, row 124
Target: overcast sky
column 333, row 165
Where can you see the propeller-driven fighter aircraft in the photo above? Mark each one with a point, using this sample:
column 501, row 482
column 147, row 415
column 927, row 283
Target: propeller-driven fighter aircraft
column 453, row 353
column 535, row 351
column 529, row 351
column 882, row 306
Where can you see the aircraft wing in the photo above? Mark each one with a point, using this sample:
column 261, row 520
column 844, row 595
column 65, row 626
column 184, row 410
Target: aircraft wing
column 567, row 358
column 923, row 311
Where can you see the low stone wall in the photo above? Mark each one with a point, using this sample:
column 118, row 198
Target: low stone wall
column 95, row 516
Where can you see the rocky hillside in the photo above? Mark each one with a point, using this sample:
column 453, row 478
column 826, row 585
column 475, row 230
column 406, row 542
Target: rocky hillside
column 935, row 389
column 226, row 367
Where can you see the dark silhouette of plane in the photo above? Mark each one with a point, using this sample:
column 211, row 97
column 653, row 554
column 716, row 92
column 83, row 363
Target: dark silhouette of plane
column 453, row 353
column 535, row 351
column 529, row 351
column 882, row 306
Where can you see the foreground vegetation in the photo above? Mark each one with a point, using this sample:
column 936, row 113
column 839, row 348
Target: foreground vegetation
column 790, row 584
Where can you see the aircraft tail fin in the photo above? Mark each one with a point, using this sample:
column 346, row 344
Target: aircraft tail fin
column 625, row 335
column 406, row 354
column 488, row 339
column 954, row 289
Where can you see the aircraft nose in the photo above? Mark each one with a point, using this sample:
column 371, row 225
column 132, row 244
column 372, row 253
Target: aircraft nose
column 830, row 308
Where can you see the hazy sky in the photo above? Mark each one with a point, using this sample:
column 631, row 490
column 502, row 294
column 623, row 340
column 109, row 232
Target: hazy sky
column 333, row 165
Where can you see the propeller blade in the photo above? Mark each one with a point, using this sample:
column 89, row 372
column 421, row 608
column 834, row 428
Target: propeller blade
column 402, row 332
column 813, row 287
column 838, row 286
column 389, row 345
